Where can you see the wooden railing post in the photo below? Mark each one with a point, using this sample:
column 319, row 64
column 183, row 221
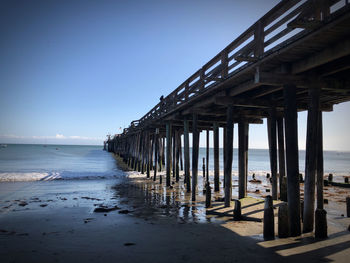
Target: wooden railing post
column 202, row 79
column 259, row 40
column 224, row 64
column 187, row 86
column 325, row 9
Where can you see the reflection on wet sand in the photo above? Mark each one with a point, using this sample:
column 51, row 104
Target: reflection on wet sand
column 151, row 200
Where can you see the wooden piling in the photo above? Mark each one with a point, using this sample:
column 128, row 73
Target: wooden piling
column 138, row 152
column 320, row 170
column 168, row 153
column 160, row 154
column 246, row 145
column 187, row 156
column 142, row 154
column 283, row 223
column 271, row 126
column 156, row 142
column 283, row 189
column 320, row 214
column 237, row 212
column 133, row 163
column 203, row 167
column 321, row 223
column 148, row 151
column 310, row 159
column 195, row 148
column 163, row 151
column 163, row 154
column 207, row 157
column 281, row 154
column 174, row 152
column 224, row 153
column 180, row 152
column 216, row 156
column 269, row 219
column 228, row 159
column 207, row 195
column 242, row 158
column 292, row 159
column 177, row 157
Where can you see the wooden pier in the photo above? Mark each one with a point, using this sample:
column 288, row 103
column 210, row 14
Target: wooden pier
column 295, row 58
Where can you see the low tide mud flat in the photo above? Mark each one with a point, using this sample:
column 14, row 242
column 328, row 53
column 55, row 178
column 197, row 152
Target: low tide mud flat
column 134, row 219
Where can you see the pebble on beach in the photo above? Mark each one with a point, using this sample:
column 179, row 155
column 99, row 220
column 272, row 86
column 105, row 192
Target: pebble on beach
column 104, row 209
column 129, row 244
column 23, row 203
column 124, row 211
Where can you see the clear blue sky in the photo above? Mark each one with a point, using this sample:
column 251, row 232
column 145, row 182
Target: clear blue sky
column 73, row 71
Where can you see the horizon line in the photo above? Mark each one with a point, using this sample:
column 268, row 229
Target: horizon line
column 325, row 150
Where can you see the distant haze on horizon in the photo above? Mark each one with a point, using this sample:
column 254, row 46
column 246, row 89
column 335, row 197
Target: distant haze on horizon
column 73, row 71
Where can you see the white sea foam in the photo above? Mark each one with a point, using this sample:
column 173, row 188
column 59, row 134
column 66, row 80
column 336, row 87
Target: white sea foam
column 46, row 176
column 134, row 174
column 36, row 176
column 24, row 177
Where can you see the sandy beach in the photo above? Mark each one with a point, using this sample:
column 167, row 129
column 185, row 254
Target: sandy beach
column 54, row 221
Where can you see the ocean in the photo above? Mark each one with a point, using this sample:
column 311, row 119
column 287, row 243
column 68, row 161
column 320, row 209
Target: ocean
column 24, row 162
column 32, row 162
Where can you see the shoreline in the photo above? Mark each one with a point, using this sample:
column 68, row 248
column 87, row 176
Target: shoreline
column 49, row 176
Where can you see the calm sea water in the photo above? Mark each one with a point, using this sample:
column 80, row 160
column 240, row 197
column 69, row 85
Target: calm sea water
column 20, row 162
column 258, row 160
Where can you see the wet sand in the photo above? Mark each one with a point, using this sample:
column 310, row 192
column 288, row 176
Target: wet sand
column 54, row 221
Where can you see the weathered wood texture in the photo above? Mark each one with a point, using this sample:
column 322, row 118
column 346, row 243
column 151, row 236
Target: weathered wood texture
column 229, row 155
column 320, row 169
column 292, row 159
column 187, row 156
column 281, row 154
column 168, row 153
column 195, row 151
column 156, row 146
column 271, row 126
column 216, row 157
column 310, row 159
column 207, row 156
column 242, row 158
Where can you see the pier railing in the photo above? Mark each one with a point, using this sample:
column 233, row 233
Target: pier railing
column 283, row 24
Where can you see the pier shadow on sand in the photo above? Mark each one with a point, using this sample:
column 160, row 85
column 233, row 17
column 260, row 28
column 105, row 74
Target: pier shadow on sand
column 237, row 240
